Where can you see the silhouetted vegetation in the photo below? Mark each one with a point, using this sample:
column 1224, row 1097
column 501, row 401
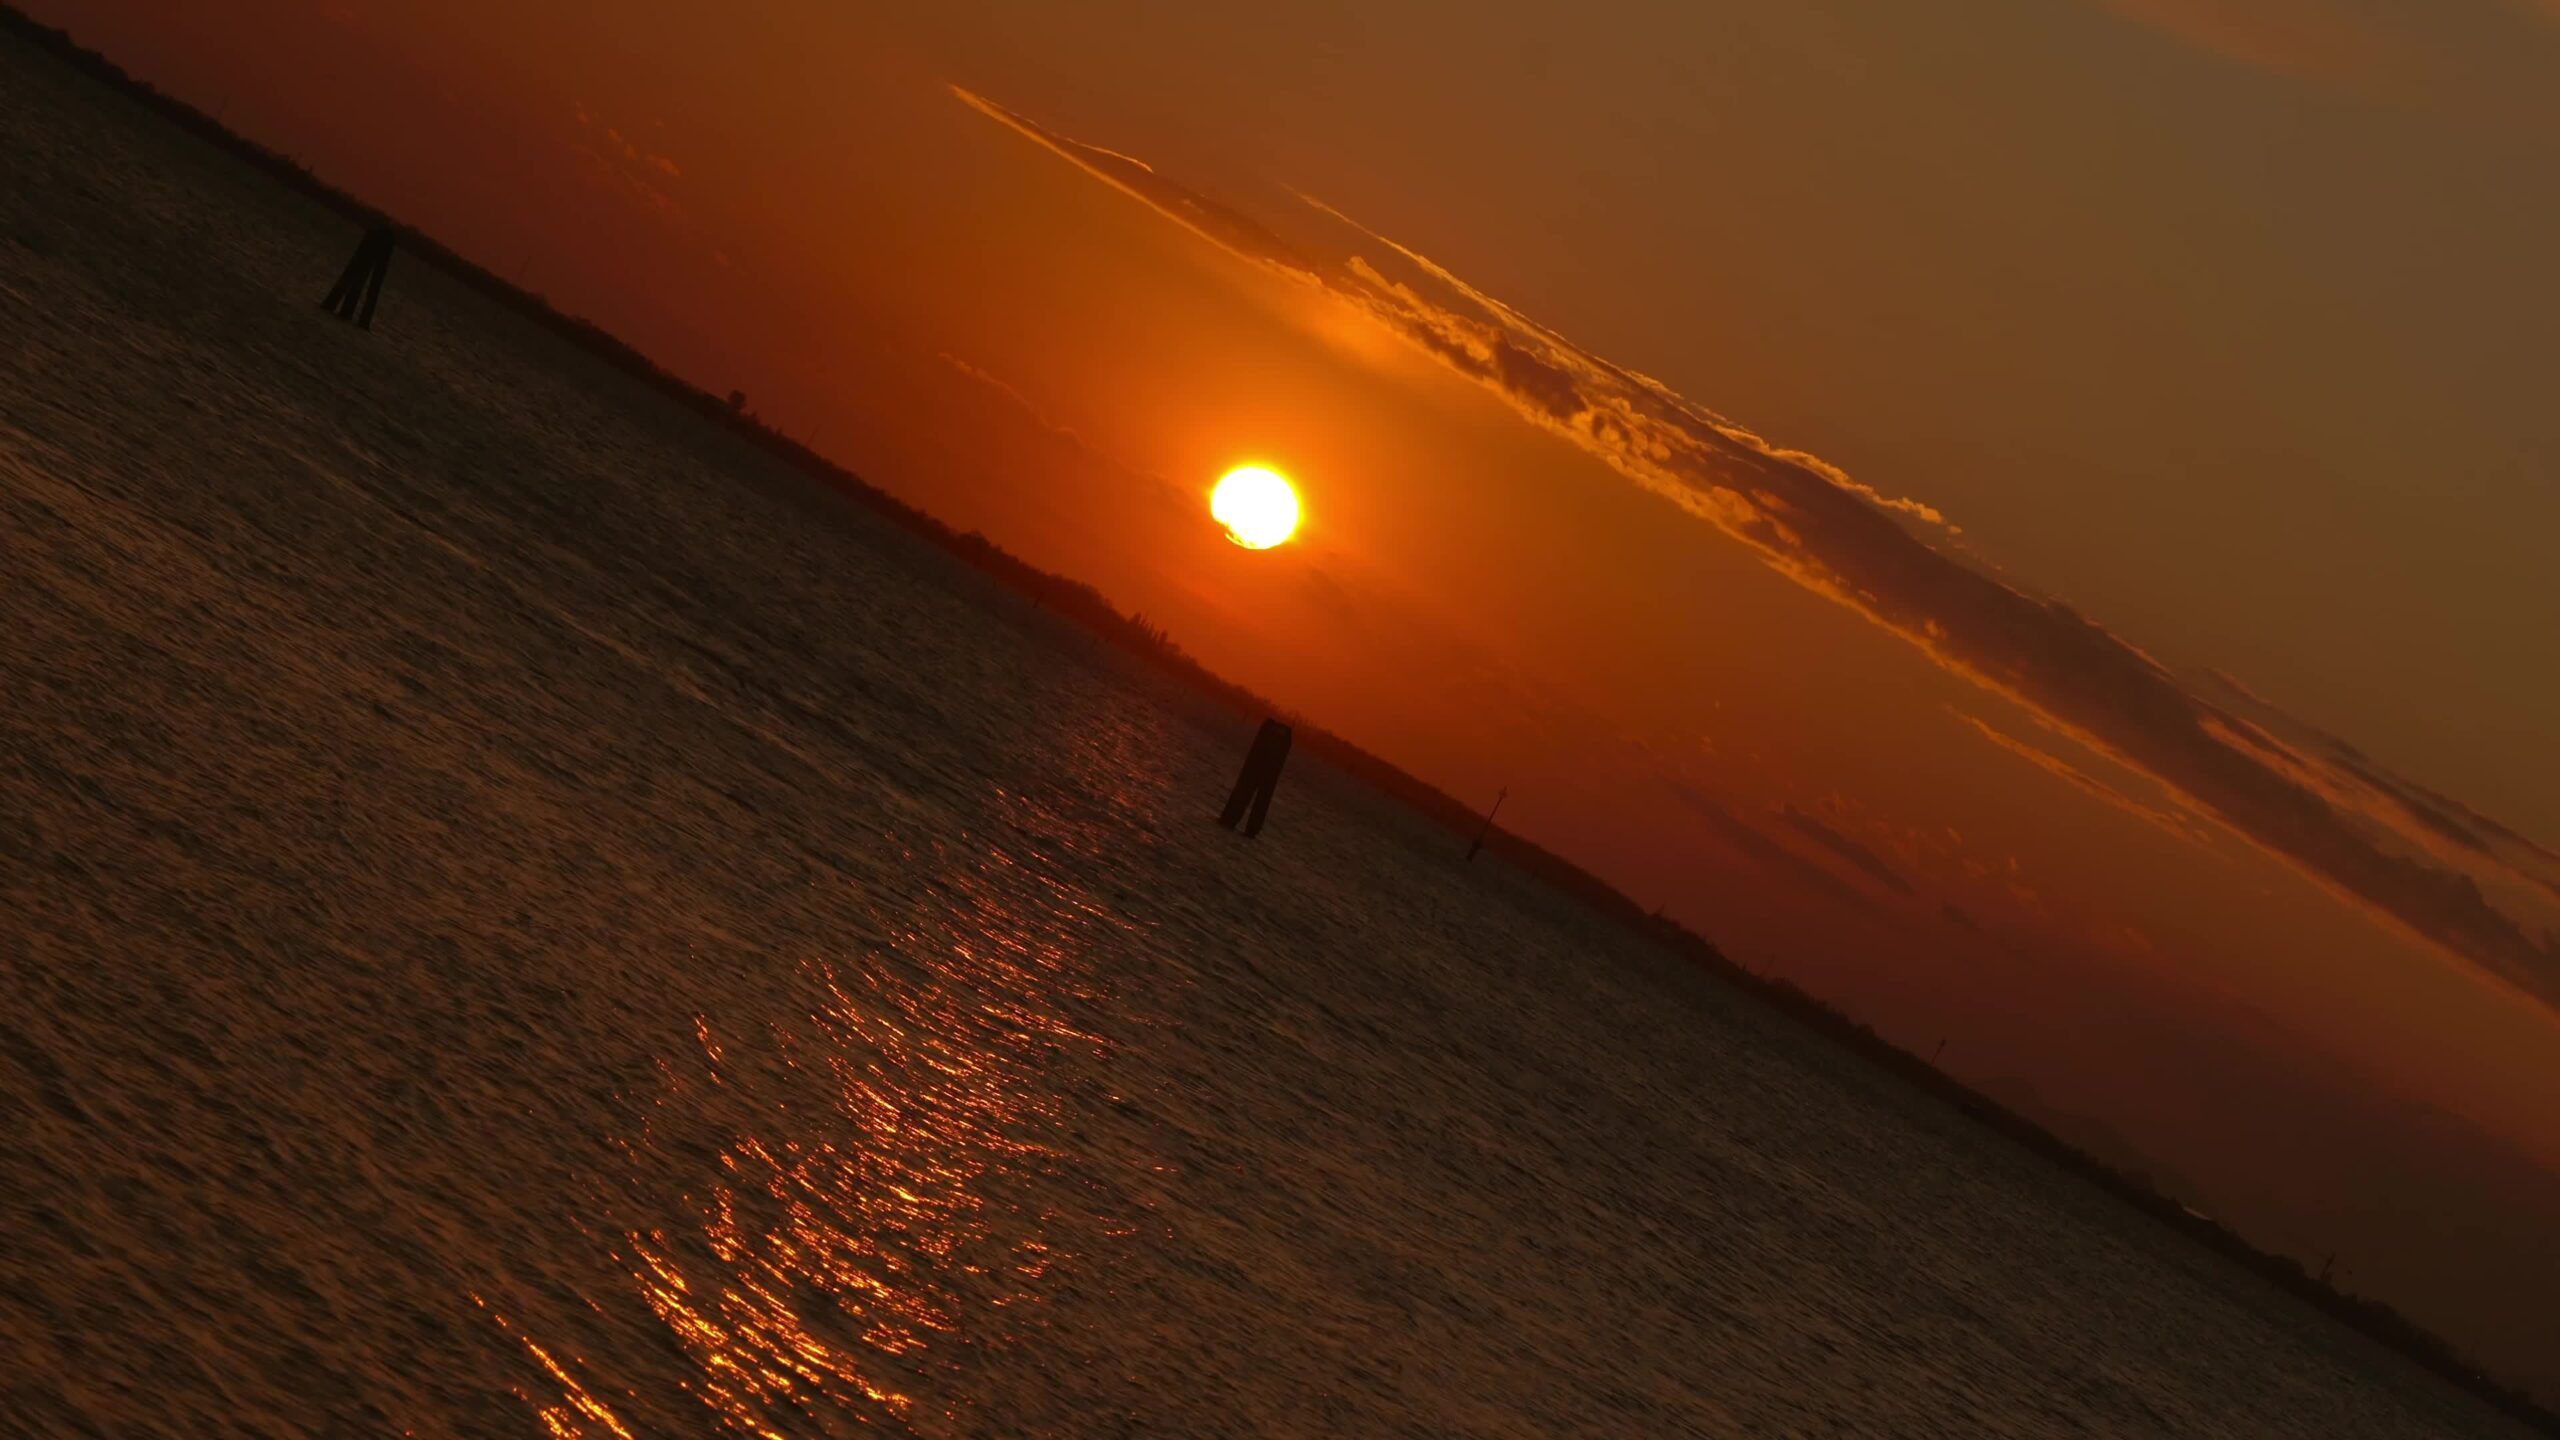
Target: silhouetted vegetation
column 1133, row 634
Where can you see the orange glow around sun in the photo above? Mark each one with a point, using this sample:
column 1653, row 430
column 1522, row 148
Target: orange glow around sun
column 1257, row 506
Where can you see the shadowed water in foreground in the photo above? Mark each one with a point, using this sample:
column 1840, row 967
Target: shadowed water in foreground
column 520, row 916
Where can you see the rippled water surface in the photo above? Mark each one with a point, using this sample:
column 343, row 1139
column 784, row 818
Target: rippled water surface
column 516, row 917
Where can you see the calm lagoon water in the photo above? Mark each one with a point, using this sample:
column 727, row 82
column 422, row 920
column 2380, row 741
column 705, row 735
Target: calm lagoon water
column 517, row 917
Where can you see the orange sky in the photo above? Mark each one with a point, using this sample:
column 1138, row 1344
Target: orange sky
column 2207, row 329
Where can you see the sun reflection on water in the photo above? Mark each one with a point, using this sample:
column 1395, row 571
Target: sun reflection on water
column 873, row 1182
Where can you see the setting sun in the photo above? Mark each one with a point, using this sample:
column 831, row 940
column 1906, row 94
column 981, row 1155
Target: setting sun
column 1256, row 505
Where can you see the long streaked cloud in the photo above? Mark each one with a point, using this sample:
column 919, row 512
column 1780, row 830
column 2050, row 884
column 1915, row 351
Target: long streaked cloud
column 1867, row 862
column 2454, row 831
column 1748, row 840
column 1883, row 559
column 2168, row 822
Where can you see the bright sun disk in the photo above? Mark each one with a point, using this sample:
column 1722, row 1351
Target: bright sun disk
column 1256, row 505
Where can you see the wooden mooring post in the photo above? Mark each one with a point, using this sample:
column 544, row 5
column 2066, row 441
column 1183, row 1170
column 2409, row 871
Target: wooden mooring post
column 359, row 286
column 1261, row 776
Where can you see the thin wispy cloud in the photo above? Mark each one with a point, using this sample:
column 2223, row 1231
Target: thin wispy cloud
column 1013, row 394
column 2168, row 822
column 1748, row 840
column 1867, row 862
column 1881, row 558
column 626, row 164
column 2486, row 60
column 2311, row 39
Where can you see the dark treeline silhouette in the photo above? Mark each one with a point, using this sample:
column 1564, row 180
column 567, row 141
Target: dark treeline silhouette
column 1081, row 603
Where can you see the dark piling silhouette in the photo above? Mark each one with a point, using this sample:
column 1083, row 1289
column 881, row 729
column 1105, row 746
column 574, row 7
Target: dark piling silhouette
column 1261, row 776
column 359, row 286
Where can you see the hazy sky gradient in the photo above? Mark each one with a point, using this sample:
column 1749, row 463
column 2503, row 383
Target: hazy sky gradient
column 2190, row 775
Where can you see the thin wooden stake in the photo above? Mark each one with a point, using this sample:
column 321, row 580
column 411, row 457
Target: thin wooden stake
column 1251, row 799
column 359, row 286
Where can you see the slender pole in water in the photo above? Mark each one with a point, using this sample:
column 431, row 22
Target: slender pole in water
column 1260, row 777
column 359, row 286
column 1487, row 828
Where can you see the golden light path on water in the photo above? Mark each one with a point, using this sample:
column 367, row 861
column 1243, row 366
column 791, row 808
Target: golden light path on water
column 872, row 1190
